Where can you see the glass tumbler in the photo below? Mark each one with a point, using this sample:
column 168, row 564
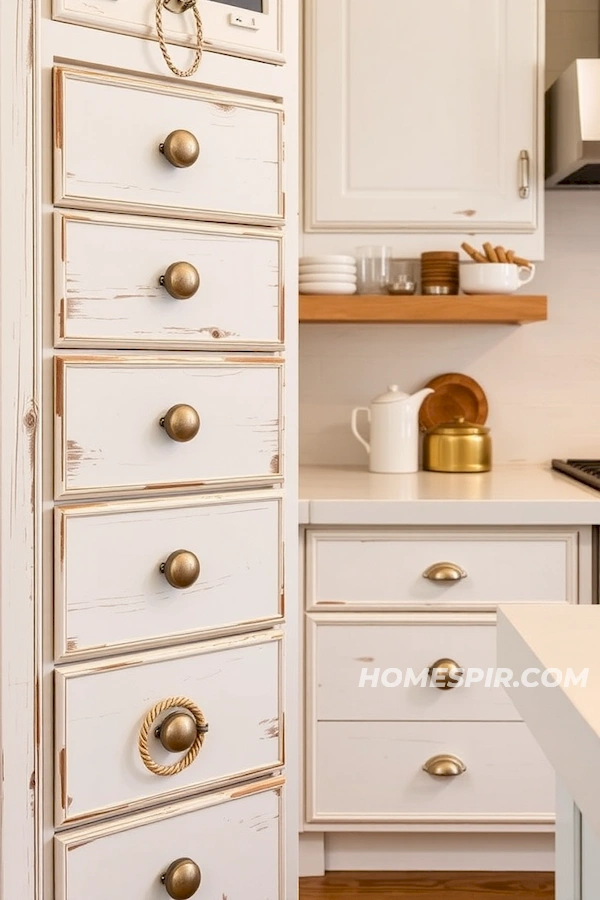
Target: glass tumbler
column 372, row 269
column 404, row 276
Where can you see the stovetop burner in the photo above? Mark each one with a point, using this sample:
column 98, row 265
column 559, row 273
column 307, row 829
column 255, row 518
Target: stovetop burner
column 585, row 470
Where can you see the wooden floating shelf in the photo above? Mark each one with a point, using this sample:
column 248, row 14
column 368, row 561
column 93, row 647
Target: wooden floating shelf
column 462, row 309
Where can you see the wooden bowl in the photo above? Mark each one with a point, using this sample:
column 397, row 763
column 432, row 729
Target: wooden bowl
column 454, row 396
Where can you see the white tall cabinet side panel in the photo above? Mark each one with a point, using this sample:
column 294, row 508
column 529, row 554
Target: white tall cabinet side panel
column 18, row 453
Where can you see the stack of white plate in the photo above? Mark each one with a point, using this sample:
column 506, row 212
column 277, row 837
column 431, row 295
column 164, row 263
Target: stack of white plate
column 327, row 275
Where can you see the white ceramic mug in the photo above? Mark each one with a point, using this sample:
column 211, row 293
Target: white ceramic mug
column 494, row 278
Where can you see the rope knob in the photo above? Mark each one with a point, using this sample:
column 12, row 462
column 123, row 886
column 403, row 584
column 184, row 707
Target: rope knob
column 201, row 728
column 188, row 4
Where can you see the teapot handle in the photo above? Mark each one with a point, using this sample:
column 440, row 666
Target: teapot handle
column 355, row 431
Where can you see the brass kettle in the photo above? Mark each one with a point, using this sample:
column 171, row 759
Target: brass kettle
column 457, row 446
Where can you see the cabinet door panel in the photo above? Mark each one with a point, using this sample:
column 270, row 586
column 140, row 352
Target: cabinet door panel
column 234, row 838
column 347, row 651
column 363, row 773
column 109, row 410
column 418, row 115
column 252, row 30
column 111, row 592
column 101, row 707
column 108, row 134
column 114, row 298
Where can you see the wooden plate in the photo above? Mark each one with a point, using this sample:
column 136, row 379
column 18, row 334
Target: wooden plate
column 455, row 395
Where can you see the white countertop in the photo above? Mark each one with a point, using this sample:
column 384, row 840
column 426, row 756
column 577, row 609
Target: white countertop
column 509, row 495
column 564, row 720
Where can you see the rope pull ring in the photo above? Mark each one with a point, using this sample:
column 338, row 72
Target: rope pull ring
column 185, row 5
column 172, row 703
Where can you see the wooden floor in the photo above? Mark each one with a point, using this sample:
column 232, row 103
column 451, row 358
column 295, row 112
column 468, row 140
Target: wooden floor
column 429, row 886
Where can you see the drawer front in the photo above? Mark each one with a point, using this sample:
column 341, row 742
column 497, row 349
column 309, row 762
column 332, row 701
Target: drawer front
column 234, row 838
column 101, row 708
column 373, row 772
column 226, row 27
column 385, row 569
column 108, row 131
column 381, row 657
column 113, row 298
column 108, row 433
column 110, row 592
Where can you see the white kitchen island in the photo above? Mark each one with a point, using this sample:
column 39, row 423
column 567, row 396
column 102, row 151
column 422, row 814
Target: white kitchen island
column 403, row 571
column 565, row 720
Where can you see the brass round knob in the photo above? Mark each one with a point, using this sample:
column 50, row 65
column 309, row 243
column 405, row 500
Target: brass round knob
column 177, row 732
column 181, row 569
column 180, row 148
column 182, row 879
column 181, row 422
column 444, row 572
column 444, row 765
column 181, row 280
column 446, row 673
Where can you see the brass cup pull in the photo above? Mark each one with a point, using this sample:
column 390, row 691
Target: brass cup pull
column 177, row 732
column 181, row 280
column 444, row 572
column 180, row 148
column 181, row 569
column 444, row 765
column 446, row 673
column 182, row 879
column 181, row 422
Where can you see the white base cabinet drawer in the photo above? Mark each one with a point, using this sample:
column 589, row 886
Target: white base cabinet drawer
column 114, row 298
column 101, row 708
column 234, row 838
column 386, row 657
column 227, row 27
column 372, row 772
column 108, row 134
column 110, row 591
column 108, row 432
column 386, row 569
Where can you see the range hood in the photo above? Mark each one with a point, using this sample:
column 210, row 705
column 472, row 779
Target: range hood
column 573, row 127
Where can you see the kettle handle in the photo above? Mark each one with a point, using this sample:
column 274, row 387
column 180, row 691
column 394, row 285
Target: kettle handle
column 355, row 431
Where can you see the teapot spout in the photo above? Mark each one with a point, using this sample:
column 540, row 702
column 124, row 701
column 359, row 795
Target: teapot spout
column 416, row 400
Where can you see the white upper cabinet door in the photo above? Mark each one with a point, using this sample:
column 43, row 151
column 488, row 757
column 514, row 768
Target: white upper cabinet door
column 424, row 116
column 109, row 131
column 246, row 28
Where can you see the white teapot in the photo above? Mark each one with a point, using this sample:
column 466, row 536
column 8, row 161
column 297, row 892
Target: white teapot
column 394, row 439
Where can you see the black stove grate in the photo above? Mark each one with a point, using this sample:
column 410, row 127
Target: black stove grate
column 584, row 470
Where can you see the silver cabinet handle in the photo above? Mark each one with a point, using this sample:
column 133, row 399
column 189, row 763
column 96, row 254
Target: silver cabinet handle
column 524, row 168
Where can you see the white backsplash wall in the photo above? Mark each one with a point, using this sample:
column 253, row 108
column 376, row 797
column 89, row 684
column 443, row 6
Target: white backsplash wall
column 542, row 381
column 572, row 28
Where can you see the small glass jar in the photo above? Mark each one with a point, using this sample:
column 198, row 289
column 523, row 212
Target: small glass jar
column 403, row 276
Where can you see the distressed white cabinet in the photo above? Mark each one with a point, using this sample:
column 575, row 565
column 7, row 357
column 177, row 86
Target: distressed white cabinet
column 146, row 658
column 425, row 117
